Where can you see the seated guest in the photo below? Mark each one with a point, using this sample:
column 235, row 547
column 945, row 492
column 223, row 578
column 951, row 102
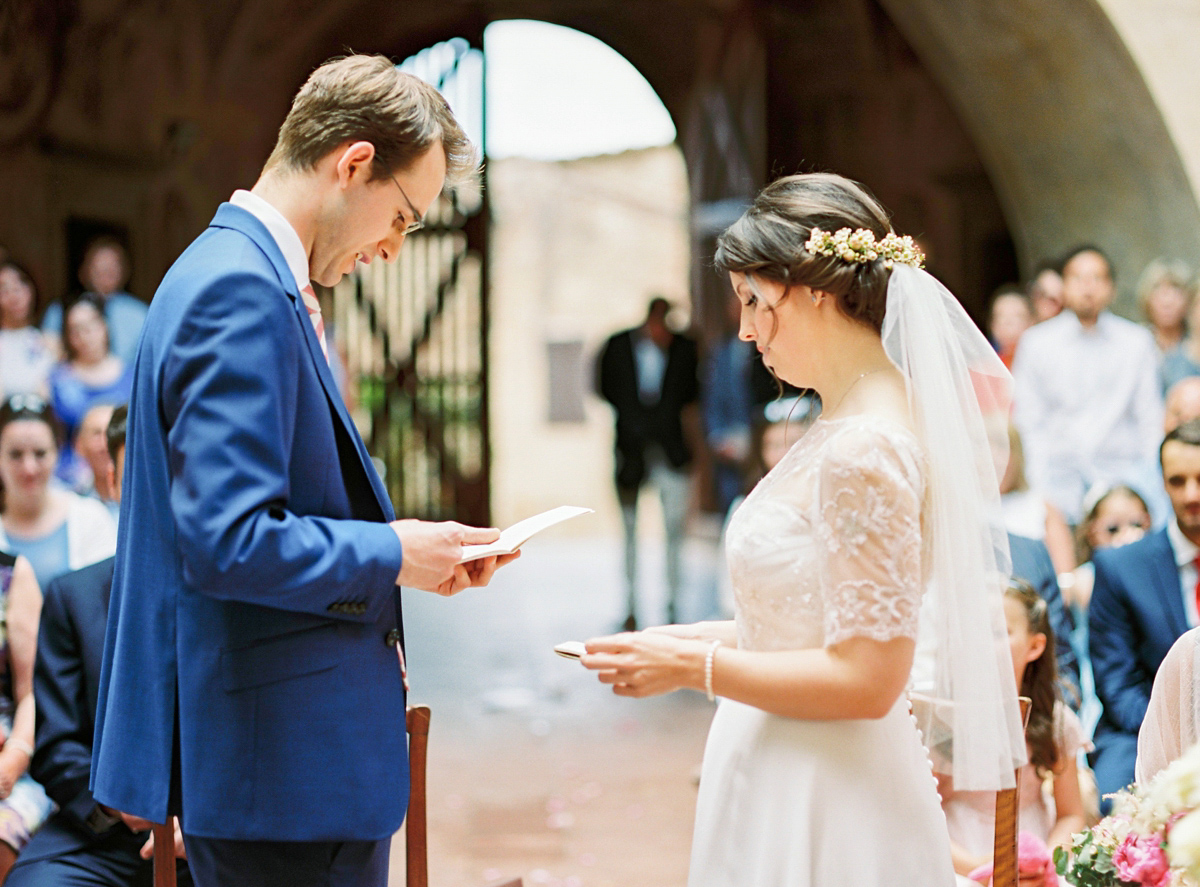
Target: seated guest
column 23, row 803
column 1010, row 315
column 1046, row 292
column 1113, row 516
column 94, row 465
column 1051, row 813
column 104, row 273
column 92, row 374
column 1145, row 597
column 1088, row 402
column 25, row 358
column 1165, row 296
column 1183, row 360
column 83, row 843
column 55, row 529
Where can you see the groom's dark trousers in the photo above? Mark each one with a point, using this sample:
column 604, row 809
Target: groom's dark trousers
column 288, row 863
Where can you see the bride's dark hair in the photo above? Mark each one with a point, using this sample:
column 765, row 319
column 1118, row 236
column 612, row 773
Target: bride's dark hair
column 768, row 241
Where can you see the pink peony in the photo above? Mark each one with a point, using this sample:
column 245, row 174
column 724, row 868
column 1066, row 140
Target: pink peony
column 1141, row 860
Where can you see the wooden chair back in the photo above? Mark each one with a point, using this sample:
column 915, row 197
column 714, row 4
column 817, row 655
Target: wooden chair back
column 416, row 834
column 415, row 831
column 1008, row 805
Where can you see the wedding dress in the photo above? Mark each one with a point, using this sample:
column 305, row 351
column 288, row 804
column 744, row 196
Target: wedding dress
column 827, row 547
column 1172, row 722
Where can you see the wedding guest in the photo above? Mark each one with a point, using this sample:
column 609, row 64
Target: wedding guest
column 1046, row 292
column 55, row 529
column 1052, row 808
column 23, row 803
column 1088, row 403
column 104, row 273
column 1144, row 598
column 92, row 452
column 1164, row 295
column 649, row 376
column 831, row 553
column 1010, row 315
column 92, row 373
column 83, row 844
column 1183, row 361
column 25, row 358
column 1113, row 516
column 1027, row 512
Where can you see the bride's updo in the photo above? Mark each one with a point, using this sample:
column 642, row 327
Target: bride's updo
column 769, row 240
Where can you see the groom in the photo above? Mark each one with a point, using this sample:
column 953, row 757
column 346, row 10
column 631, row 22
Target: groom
column 252, row 679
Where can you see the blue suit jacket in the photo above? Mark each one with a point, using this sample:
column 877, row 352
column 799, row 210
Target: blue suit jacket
column 1135, row 615
column 248, row 680
column 66, row 680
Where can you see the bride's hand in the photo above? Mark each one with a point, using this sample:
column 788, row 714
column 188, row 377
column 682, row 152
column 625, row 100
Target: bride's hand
column 644, row 663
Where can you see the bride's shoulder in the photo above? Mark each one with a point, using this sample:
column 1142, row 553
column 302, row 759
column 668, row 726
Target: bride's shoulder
column 889, row 428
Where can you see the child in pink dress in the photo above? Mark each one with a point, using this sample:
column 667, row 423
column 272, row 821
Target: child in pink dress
column 1051, row 805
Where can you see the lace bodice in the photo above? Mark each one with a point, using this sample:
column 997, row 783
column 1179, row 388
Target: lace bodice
column 828, row 545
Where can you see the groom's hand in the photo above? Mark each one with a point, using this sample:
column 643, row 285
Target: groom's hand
column 432, row 552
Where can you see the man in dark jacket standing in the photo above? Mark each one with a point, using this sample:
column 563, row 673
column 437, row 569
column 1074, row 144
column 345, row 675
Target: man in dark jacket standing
column 649, row 375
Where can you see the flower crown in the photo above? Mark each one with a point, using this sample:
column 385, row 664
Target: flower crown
column 861, row 246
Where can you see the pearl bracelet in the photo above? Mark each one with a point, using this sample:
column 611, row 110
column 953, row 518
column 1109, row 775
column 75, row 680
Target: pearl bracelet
column 20, row 745
column 708, row 669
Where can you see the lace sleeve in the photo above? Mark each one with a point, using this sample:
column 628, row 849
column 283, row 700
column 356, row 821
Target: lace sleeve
column 871, row 490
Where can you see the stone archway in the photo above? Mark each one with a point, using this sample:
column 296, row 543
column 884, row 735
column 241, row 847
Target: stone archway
column 1069, row 129
column 157, row 110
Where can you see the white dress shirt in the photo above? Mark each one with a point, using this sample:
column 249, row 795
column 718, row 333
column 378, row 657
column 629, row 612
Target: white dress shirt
column 1185, row 559
column 651, row 362
column 1088, row 404
column 281, row 232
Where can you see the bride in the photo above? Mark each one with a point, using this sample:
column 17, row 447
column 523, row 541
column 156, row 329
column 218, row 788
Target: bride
column 814, row 774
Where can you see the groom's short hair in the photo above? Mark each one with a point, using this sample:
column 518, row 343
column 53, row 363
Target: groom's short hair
column 366, row 98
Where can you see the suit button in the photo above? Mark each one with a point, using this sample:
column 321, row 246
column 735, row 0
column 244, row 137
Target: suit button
column 392, row 637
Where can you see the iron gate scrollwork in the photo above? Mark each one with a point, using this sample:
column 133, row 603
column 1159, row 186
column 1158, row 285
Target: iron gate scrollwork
column 415, row 332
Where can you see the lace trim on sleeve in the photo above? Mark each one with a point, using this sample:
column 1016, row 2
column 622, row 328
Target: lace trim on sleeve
column 870, row 530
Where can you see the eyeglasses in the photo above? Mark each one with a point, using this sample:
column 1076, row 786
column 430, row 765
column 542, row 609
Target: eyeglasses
column 417, row 223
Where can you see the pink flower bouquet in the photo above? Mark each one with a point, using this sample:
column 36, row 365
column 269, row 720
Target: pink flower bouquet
column 1152, row 838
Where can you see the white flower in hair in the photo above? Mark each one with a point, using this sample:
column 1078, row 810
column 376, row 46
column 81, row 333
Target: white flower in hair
column 859, row 247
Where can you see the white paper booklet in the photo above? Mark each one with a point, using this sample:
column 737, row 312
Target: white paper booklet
column 522, row 531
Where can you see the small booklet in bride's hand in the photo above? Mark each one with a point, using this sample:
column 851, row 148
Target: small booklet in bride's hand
column 521, row 532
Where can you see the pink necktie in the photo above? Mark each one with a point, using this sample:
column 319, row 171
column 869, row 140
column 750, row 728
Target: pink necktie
column 314, row 314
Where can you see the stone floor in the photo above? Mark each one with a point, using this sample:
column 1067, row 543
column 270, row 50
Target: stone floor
column 535, row 769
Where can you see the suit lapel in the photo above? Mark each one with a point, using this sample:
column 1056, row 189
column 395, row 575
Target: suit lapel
column 339, row 407
column 1166, row 572
column 230, row 216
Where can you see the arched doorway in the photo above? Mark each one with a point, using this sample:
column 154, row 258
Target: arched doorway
column 980, row 124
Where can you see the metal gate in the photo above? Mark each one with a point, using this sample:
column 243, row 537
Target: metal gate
column 415, row 332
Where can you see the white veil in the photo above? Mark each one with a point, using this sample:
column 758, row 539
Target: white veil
column 956, row 383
